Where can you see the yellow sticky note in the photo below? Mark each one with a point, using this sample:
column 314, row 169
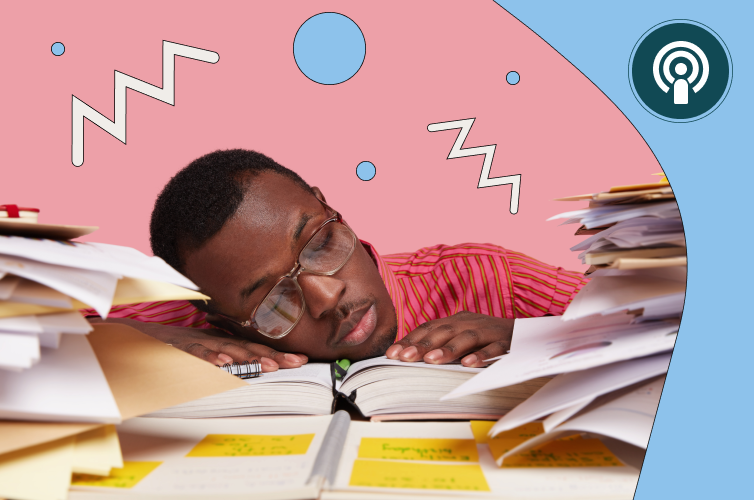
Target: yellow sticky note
column 565, row 453
column 481, row 430
column 523, row 432
column 250, row 445
column 389, row 474
column 446, row 450
column 127, row 477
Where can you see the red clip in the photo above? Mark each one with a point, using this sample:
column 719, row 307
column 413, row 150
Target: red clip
column 14, row 210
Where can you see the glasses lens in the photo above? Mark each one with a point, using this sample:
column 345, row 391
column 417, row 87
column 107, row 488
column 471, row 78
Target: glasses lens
column 280, row 310
column 328, row 250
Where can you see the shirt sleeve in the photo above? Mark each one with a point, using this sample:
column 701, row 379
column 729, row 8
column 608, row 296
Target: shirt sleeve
column 170, row 313
column 540, row 289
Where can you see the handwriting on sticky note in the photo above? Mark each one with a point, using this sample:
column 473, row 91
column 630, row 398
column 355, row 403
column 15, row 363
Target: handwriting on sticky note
column 247, row 445
column 127, row 477
column 433, row 450
column 563, row 453
column 389, row 474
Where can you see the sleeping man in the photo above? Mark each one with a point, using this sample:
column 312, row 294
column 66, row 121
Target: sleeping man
column 290, row 281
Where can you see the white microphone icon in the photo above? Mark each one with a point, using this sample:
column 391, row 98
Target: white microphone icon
column 681, row 84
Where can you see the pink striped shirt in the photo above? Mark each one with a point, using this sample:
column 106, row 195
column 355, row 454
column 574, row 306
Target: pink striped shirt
column 434, row 282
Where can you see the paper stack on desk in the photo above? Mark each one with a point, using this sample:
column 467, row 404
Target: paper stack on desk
column 58, row 384
column 43, row 282
column 141, row 375
column 610, row 349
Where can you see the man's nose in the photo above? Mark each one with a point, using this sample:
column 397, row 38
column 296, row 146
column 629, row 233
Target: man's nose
column 321, row 293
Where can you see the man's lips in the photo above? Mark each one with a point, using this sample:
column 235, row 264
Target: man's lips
column 358, row 328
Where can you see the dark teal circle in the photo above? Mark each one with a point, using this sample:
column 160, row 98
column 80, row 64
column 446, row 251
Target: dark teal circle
column 660, row 103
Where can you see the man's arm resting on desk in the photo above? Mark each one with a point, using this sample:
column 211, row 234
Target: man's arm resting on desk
column 213, row 345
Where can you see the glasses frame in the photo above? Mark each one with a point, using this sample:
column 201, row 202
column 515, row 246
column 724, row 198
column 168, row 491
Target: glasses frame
column 294, row 273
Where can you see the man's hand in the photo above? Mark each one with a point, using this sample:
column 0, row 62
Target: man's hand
column 476, row 337
column 214, row 346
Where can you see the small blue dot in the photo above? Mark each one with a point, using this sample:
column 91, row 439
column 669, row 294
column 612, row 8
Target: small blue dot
column 329, row 48
column 366, row 171
column 512, row 78
column 58, row 48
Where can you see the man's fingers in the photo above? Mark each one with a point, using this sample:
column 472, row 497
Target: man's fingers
column 203, row 352
column 476, row 360
column 243, row 350
column 467, row 341
column 434, row 338
column 407, row 341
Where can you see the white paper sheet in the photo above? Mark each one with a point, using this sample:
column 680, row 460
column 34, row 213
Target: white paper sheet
column 602, row 216
column 17, row 352
column 610, row 294
column 638, row 232
column 579, row 388
column 548, row 346
column 66, row 385
column 67, row 322
column 31, row 292
column 20, row 324
column 94, row 288
column 114, row 259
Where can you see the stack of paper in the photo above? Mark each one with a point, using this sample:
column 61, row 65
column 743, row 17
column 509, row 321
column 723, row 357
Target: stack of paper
column 44, row 281
column 631, row 227
column 119, row 373
column 610, row 349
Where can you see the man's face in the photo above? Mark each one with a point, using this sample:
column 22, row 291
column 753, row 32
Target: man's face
column 260, row 243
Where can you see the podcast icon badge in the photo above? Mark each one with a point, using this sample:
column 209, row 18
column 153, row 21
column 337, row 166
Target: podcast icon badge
column 680, row 71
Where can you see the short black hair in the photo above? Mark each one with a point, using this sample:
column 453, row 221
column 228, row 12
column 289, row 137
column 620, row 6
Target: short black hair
column 199, row 200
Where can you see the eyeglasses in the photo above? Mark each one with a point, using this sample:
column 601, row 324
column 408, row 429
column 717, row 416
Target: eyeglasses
column 326, row 252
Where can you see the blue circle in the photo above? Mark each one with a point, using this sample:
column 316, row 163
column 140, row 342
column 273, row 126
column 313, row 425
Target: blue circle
column 512, row 78
column 329, row 48
column 58, row 48
column 366, row 171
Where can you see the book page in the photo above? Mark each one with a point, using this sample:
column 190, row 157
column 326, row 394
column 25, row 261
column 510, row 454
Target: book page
column 316, row 373
column 382, row 361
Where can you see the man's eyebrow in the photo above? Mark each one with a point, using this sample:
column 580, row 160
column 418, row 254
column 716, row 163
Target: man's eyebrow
column 301, row 225
column 250, row 289
column 247, row 291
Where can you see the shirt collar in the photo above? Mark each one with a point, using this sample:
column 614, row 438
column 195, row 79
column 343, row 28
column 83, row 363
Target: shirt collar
column 393, row 288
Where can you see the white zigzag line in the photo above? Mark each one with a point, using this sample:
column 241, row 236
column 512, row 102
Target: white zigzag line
column 117, row 127
column 488, row 152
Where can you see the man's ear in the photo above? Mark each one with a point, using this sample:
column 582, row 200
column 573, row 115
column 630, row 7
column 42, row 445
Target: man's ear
column 318, row 194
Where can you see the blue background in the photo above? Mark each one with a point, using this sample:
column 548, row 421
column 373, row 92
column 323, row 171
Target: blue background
column 700, row 445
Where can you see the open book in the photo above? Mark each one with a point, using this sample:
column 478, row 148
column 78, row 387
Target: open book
column 379, row 388
column 332, row 457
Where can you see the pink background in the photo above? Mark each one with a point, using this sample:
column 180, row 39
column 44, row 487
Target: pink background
column 425, row 62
